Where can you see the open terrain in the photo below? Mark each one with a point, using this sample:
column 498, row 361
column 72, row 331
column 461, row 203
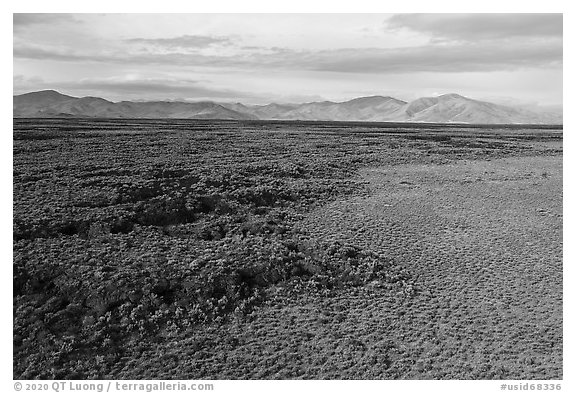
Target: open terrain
column 213, row 249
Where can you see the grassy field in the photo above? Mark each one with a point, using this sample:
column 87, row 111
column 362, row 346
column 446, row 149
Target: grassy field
column 204, row 249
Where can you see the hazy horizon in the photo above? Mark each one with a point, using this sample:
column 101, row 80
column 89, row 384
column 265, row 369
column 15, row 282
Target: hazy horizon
column 550, row 108
column 510, row 59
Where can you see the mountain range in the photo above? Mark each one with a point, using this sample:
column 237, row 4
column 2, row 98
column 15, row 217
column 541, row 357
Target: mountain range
column 448, row 108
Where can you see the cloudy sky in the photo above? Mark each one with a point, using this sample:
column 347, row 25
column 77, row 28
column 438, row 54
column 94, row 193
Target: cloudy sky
column 259, row 58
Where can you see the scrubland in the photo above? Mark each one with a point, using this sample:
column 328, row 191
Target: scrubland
column 216, row 250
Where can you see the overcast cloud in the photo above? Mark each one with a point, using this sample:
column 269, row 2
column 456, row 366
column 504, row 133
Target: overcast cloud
column 21, row 20
column 222, row 57
column 474, row 27
column 185, row 41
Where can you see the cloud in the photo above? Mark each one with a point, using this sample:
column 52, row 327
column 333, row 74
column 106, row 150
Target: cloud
column 155, row 87
column 441, row 58
column 473, row 27
column 185, row 41
column 22, row 83
column 24, row 20
column 38, row 52
column 132, row 86
column 435, row 57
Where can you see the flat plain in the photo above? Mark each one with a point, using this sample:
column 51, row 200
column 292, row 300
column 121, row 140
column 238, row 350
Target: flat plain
column 279, row 250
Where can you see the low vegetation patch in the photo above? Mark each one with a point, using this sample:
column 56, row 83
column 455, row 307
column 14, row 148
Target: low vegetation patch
column 129, row 235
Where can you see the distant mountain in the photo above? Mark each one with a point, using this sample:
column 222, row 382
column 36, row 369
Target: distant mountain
column 448, row 108
column 50, row 103
column 30, row 104
column 359, row 109
column 454, row 108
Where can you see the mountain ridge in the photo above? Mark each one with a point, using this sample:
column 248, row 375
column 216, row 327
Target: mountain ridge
column 447, row 108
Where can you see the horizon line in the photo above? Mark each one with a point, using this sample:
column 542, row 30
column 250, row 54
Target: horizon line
column 191, row 101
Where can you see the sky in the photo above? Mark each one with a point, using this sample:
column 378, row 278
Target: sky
column 513, row 59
